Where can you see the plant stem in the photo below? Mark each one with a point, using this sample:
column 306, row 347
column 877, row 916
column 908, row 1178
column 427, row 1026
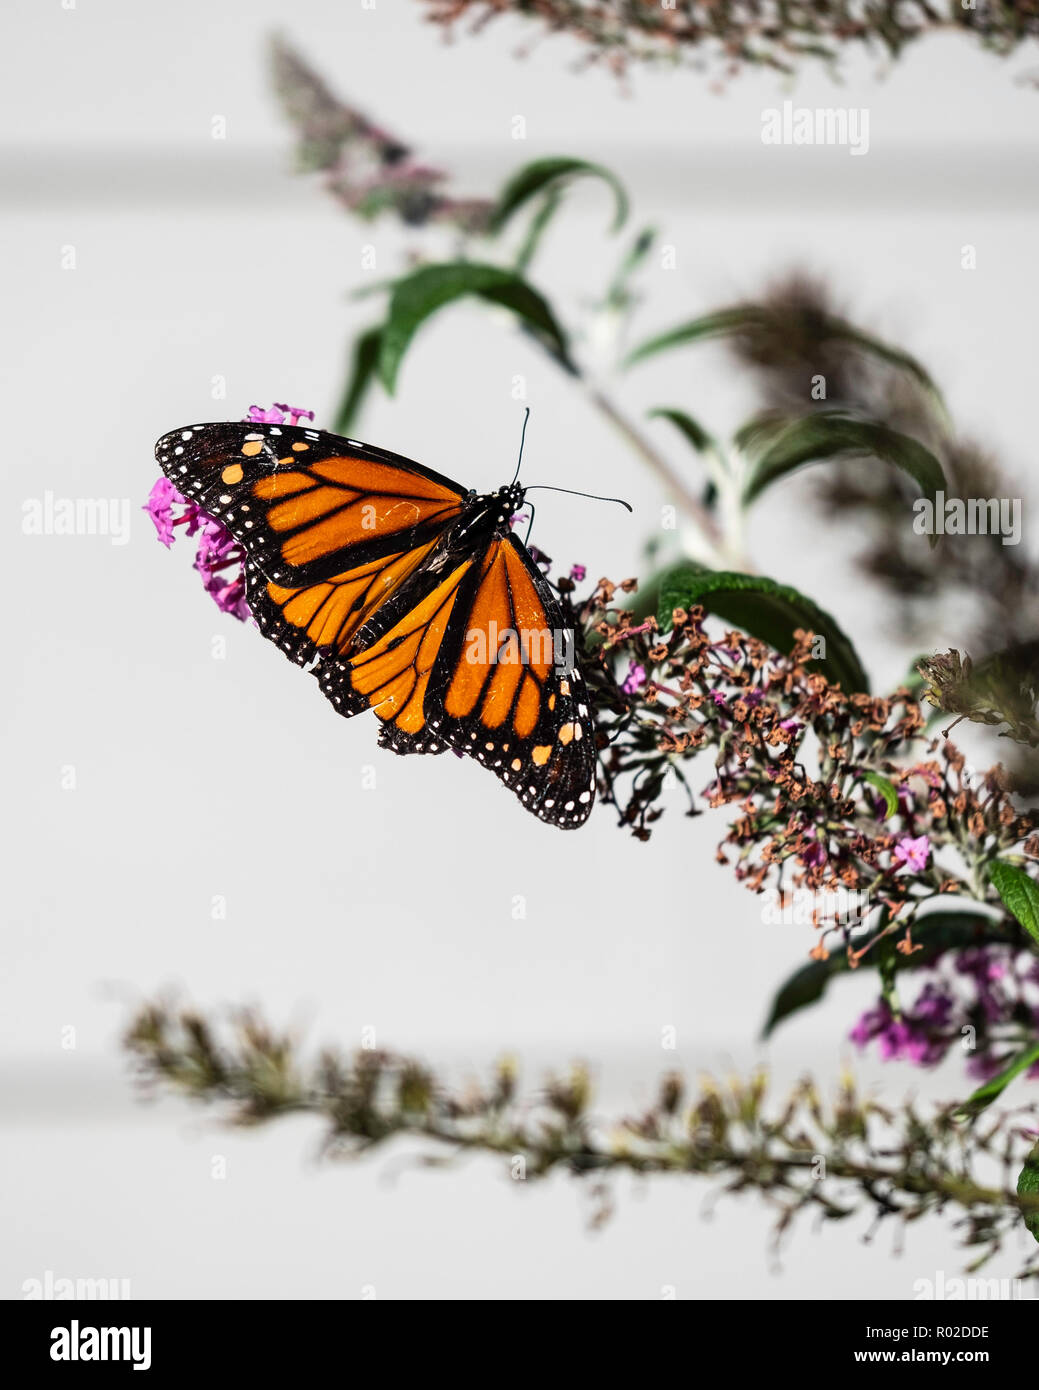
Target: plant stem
column 660, row 466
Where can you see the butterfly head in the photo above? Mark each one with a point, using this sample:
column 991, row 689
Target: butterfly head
column 506, row 502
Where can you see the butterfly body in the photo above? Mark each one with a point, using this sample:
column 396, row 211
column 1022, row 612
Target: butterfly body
column 406, row 594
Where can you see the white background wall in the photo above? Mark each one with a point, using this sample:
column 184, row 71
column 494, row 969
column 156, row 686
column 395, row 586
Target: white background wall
column 198, row 777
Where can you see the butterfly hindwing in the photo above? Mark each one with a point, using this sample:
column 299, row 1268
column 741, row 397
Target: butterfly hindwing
column 484, row 664
column 390, row 673
column 511, row 688
column 311, row 620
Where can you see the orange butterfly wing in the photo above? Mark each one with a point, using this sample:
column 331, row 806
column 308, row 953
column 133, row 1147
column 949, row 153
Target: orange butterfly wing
column 486, row 665
column 331, row 527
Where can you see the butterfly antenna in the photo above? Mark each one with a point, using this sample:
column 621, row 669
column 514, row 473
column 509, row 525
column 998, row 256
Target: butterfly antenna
column 545, row 487
column 523, row 435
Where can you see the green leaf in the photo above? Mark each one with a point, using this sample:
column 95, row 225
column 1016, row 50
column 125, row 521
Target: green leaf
column 419, row 295
column 760, row 431
column 1020, row 894
column 544, row 215
column 716, row 325
column 704, row 443
column 619, row 295
column 992, row 1090
column 805, row 986
column 831, row 434
column 693, row 431
column 933, row 933
column 887, row 790
column 362, row 375
column 748, row 318
column 545, row 175
column 1028, row 1186
column 767, row 610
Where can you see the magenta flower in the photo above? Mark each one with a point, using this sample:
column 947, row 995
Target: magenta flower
column 159, row 506
column 578, row 573
column 921, row 1035
column 635, row 679
column 870, row 1025
column 278, row 415
column 913, row 853
column 218, row 552
column 983, row 993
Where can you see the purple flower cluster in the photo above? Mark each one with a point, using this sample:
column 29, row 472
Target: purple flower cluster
column 278, row 415
column 914, row 854
column 635, row 679
column 218, row 557
column 919, row 1035
column 984, row 999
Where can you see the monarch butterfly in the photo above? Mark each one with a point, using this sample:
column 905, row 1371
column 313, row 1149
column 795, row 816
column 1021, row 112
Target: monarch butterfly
column 404, row 593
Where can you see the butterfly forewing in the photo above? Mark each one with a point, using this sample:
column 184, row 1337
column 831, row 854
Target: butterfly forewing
column 308, row 505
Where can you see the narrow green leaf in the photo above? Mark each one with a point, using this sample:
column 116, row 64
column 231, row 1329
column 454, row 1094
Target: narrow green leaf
column 884, row 352
column 693, row 431
column 362, row 375
column 767, row 610
column 760, row 431
column 805, row 986
column 618, row 295
column 717, row 325
column 544, row 215
column 542, row 175
column 887, row 790
column 1028, row 1186
column 1020, row 894
column 933, row 933
column 419, row 295
column 831, row 434
column 748, row 318
column 714, row 456
column 992, row 1090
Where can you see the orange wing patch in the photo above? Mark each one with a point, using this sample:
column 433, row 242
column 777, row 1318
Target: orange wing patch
column 508, row 652
column 344, row 501
column 528, row 707
column 332, row 611
column 393, row 672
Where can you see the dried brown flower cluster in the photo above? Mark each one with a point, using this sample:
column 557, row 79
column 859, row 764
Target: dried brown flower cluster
column 818, row 777
column 1002, row 691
